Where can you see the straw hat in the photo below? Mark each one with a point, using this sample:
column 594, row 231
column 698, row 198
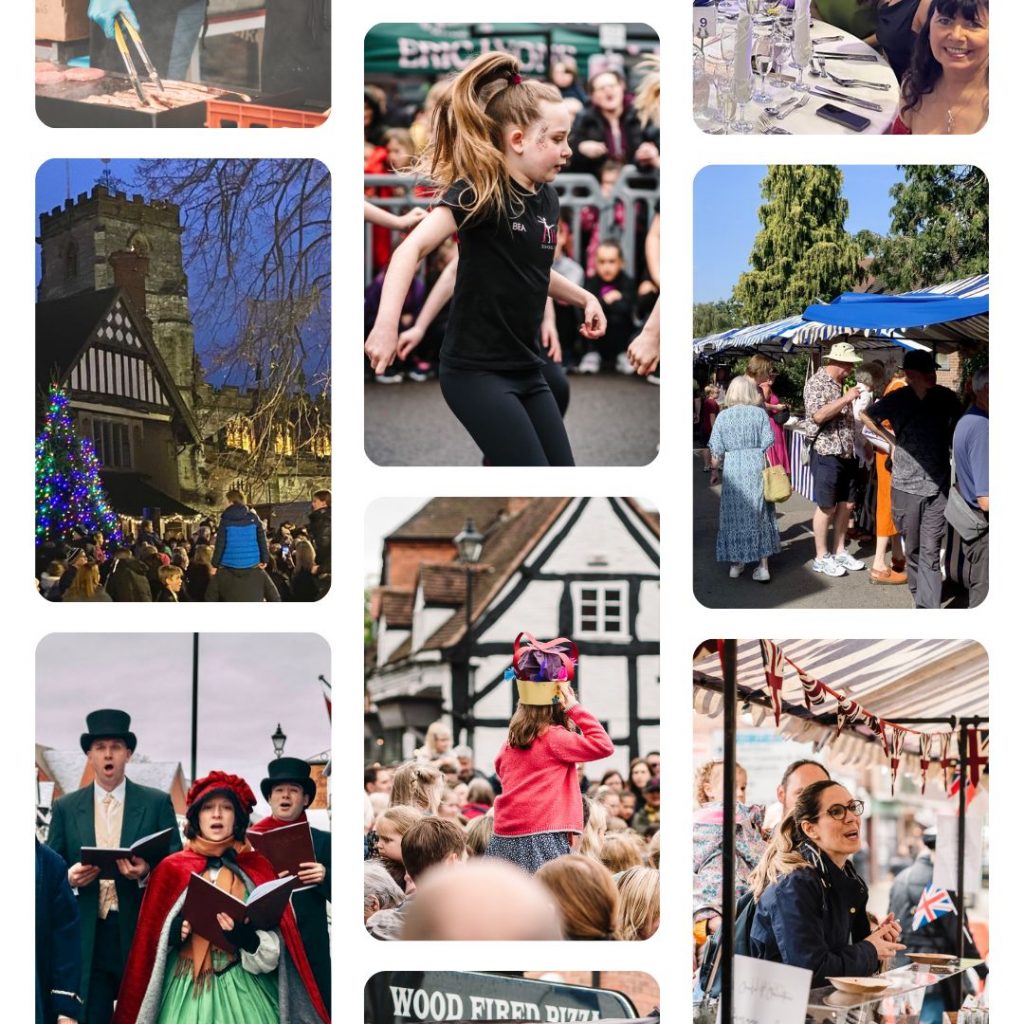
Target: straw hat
column 843, row 352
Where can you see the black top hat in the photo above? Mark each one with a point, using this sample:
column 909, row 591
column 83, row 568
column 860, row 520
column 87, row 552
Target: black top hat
column 108, row 724
column 288, row 769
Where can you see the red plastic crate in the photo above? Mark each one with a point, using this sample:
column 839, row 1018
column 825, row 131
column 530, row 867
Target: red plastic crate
column 222, row 114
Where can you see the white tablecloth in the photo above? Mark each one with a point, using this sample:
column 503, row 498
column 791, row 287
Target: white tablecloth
column 806, row 121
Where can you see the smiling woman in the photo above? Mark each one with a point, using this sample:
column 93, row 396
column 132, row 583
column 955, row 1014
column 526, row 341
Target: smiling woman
column 945, row 92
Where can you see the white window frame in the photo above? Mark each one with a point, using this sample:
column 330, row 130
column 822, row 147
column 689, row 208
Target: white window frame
column 619, row 588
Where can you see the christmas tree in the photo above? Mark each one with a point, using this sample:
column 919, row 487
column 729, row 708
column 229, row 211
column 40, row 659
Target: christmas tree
column 69, row 492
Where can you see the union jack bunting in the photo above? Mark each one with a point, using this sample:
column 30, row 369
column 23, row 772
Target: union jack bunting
column 897, row 737
column 848, row 712
column 945, row 761
column 954, row 788
column 926, row 758
column 772, row 657
column 934, row 903
column 814, row 689
column 977, row 754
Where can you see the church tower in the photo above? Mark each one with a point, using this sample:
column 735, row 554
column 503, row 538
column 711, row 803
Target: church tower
column 78, row 241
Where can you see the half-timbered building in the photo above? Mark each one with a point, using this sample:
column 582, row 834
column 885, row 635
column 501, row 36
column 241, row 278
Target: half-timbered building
column 585, row 568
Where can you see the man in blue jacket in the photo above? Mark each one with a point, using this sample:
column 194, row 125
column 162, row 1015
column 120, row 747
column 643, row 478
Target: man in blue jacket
column 240, row 555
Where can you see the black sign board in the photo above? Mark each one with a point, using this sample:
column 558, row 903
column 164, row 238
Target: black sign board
column 409, row 997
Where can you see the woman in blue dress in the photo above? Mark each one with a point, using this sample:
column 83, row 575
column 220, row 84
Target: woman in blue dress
column 746, row 522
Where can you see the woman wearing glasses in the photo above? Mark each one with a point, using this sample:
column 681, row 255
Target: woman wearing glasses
column 811, row 903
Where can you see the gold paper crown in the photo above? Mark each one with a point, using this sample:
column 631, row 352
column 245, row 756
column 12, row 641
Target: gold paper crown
column 540, row 694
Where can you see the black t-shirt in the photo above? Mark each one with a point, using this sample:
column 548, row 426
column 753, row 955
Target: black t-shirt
column 502, row 282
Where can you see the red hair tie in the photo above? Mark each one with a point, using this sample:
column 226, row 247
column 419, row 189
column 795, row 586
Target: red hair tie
column 515, row 79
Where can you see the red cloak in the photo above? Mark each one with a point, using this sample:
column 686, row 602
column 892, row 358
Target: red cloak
column 167, row 882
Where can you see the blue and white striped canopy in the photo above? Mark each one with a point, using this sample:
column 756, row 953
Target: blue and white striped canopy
column 946, row 314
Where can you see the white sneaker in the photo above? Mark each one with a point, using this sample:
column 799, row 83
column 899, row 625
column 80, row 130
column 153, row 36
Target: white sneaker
column 590, row 363
column 828, row 566
column 848, row 562
column 761, row 574
column 736, row 570
column 623, row 365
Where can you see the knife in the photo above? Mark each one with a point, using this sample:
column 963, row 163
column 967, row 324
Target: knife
column 868, row 58
column 865, row 104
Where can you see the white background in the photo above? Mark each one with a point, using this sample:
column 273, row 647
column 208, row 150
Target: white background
column 666, row 483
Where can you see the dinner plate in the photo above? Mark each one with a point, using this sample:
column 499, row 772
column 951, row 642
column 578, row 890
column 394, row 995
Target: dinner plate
column 932, row 958
column 859, row 986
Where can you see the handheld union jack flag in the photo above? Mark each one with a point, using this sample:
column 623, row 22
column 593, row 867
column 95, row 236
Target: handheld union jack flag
column 934, row 903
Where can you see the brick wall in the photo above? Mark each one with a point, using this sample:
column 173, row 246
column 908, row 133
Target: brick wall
column 404, row 560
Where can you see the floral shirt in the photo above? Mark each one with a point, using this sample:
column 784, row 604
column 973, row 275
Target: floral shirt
column 834, row 436
column 707, row 854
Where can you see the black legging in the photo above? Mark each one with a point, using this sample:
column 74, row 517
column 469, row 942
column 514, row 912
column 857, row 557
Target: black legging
column 513, row 417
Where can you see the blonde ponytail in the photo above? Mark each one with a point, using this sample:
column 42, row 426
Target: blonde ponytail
column 417, row 784
column 468, row 125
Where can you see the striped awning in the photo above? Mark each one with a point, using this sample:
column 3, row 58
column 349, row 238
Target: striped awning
column 892, row 679
column 923, row 315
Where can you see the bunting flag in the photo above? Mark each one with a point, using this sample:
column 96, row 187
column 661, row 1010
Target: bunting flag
column 814, row 689
column 926, row 758
column 945, row 761
column 954, row 789
column 895, row 740
column 977, row 755
column 848, row 712
column 772, row 657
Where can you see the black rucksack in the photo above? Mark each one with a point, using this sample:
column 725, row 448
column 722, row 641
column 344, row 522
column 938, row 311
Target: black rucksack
column 710, row 975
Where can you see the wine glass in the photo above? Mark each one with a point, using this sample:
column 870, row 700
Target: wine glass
column 743, row 90
column 727, row 106
column 763, row 58
column 782, row 48
column 701, row 90
column 720, row 79
column 803, row 54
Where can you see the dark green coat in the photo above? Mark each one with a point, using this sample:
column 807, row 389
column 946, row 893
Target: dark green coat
column 310, row 906
column 73, row 826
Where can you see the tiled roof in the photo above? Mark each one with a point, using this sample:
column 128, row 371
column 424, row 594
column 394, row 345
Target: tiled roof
column 443, row 518
column 396, row 607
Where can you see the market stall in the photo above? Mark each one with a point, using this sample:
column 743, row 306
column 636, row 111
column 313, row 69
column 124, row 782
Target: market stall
column 916, row 706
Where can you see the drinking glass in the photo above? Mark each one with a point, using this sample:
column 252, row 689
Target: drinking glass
column 701, row 90
column 727, row 105
column 762, row 65
column 743, row 93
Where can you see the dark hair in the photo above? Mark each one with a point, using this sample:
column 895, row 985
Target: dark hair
column 192, row 815
column 428, row 842
column 799, row 764
column 925, row 71
column 530, row 720
column 370, row 775
column 610, row 243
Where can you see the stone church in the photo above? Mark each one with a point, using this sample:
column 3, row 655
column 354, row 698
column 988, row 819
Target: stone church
column 113, row 327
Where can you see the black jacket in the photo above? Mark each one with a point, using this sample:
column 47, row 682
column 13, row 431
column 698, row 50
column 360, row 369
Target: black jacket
column 58, row 952
column 310, row 906
column 241, row 585
column 128, row 581
column 816, row 918
column 320, row 533
column 590, row 126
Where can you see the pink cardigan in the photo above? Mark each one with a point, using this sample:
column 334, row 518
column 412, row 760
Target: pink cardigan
column 539, row 789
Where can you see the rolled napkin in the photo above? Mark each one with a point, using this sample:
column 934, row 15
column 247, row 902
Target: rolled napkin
column 743, row 73
column 803, row 50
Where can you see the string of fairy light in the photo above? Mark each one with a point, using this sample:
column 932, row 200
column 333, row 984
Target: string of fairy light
column 69, row 491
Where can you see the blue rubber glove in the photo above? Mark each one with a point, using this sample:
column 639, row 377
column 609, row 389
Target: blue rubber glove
column 105, row 12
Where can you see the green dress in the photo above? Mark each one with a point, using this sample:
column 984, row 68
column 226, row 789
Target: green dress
column 849, row 16
column 234, row 996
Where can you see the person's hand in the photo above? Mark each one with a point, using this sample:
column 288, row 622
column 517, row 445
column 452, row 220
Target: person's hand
column 186, row 928
column 241, row 933
column 226, row 922
column 550, row 340
column 412, row 218
column 592, row 149
column 647, row 155
column 594, row 321
column 714, row 923
column 884, row 946
column 890, row 928
column 133, row 867
column 408, row 340
column 311, row 873
column 105, row 12
column 609, row 297
column 644, row 352
column 854, row 393
column 380, row 349
column 79, row 874
column 566, row 694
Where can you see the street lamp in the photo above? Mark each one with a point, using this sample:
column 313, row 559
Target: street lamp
column 278, row 739
column 469, row 544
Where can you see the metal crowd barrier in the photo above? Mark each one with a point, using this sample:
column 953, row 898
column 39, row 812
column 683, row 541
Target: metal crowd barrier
column 635, row 188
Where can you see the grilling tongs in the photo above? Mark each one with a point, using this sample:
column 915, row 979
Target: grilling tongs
column 121, row 26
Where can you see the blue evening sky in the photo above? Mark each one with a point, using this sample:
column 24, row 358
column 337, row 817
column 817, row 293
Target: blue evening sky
column 58, row 179
column 726, row 201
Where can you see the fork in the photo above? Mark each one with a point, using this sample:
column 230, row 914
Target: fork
column 853, row 83
column 766, row 126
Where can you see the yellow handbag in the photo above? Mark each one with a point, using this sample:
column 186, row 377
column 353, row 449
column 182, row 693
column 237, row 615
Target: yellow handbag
column 777, row 487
